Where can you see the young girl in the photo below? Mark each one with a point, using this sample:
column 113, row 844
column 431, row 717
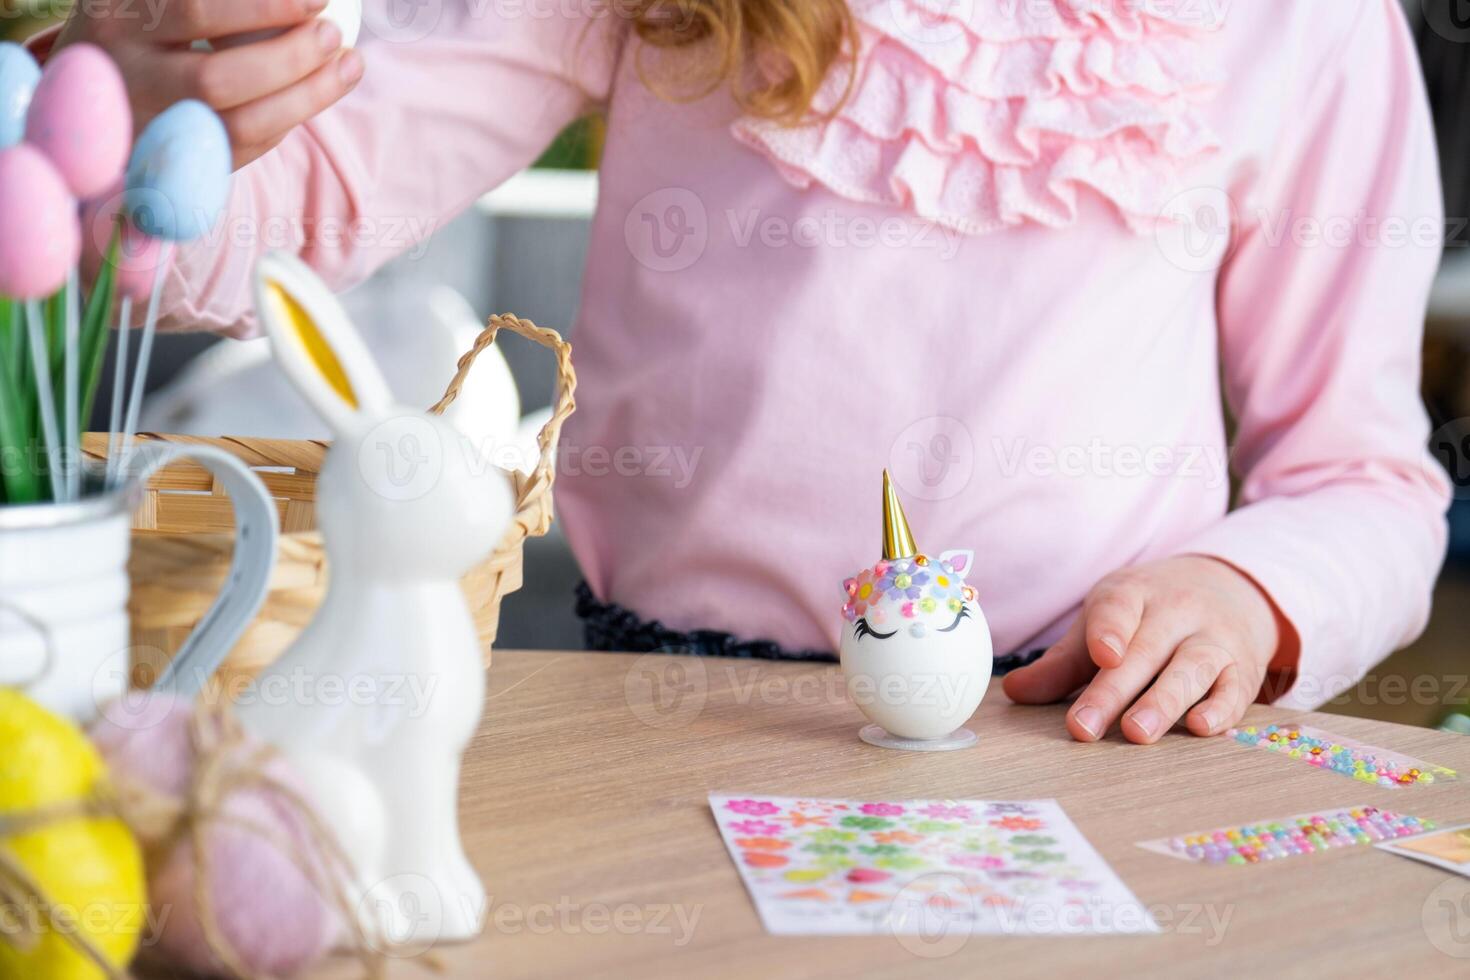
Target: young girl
column 1015, row 250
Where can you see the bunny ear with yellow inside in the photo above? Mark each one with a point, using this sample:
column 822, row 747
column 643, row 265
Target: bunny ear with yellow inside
column 315, row 344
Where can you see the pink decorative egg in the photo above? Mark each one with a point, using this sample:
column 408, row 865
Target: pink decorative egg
column 138, row 254
column 41, row 236
column 80, row 118
column 267, row 906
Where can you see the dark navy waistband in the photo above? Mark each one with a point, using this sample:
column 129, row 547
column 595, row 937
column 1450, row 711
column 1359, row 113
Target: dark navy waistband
column 609, row 627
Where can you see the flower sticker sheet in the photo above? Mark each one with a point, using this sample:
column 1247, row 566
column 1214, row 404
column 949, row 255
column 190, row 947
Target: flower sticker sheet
column 914, row 867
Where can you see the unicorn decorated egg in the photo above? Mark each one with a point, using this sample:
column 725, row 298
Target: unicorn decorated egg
column 915, row 647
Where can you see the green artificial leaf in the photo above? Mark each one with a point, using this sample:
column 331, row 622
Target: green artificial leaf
column 96, row 319
column 55, row 312
column 9, row 349
column 27, row 383
column 18, row 482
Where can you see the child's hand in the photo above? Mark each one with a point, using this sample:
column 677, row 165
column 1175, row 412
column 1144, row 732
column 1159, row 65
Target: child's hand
column 261, row 90
column 1188, row 634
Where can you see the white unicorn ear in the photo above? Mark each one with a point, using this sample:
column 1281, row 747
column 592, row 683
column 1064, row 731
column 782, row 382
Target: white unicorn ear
column 315, row 344
column 960, row 560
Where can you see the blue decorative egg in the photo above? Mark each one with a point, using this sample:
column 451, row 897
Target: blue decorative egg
column 178, row 179
column 19, row 74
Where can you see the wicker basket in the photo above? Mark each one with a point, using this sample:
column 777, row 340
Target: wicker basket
column 182, row 538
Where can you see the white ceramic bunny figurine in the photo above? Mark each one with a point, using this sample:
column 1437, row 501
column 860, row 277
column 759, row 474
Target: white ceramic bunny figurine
column 377, row 699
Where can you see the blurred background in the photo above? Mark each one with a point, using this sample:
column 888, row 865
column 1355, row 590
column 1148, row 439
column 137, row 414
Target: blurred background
column 523, row 247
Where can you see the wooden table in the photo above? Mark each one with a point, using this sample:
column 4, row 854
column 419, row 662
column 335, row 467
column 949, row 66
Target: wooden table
column 584, row 810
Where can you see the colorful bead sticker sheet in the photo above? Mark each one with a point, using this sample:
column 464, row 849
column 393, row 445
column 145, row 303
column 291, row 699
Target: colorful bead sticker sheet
column 1344, row 756
column 916, row 867
column 1305, row 833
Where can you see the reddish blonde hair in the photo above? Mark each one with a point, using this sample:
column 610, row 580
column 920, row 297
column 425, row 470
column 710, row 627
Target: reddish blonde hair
column 773, row 54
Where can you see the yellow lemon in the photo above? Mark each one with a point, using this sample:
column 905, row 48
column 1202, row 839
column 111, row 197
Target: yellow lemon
column 89, row 868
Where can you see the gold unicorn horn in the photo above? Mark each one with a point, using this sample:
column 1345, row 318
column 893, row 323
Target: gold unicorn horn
column 898, row 540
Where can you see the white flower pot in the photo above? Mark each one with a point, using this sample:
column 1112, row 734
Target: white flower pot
column 63, row 602
column 64, row 585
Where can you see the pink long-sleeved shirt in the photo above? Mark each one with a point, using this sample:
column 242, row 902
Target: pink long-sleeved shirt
column 1015, row 266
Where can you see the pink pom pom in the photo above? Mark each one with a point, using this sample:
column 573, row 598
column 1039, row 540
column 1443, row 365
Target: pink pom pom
column 39, row 234
column 268, row 909
column 81, row 120
column 138, row 255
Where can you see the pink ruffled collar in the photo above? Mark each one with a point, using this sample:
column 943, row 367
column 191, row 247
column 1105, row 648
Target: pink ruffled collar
column 982, row 115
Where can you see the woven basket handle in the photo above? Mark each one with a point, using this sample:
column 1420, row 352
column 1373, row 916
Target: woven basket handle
column 538, row 484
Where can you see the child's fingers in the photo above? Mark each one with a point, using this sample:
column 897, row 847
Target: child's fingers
column 205, row 20
column 1111, row 691
column 1229, row 698
column 1112, row 612
column 256, row 127
column 1187, row 679
column 1157, row 636
column 236, row 76
column 1061, row 670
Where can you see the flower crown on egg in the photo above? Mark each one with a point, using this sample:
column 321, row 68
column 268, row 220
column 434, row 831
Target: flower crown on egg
column 906, row 587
